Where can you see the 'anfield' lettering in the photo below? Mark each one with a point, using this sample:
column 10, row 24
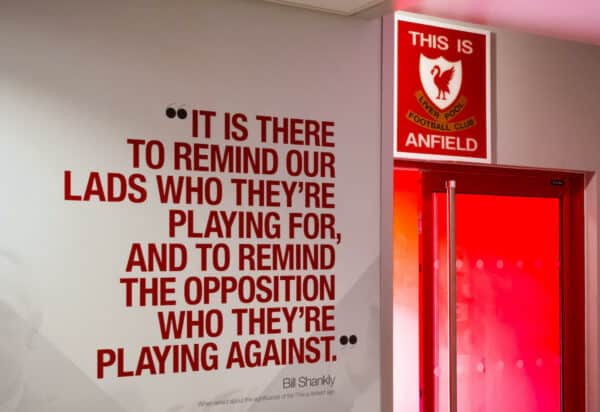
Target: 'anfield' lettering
column 436, row 141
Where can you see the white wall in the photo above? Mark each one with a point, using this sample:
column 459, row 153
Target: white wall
column 78, row 78
column 547, row 97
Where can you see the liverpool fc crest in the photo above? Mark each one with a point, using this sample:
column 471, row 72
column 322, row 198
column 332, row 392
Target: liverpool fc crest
column 441, row 80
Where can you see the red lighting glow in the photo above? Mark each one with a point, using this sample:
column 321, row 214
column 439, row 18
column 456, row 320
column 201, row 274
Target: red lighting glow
column 508, row 296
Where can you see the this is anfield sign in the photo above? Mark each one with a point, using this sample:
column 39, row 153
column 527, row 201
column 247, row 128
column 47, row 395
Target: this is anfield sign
column 442, row 93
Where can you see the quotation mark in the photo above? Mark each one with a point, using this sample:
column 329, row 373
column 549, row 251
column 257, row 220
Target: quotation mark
column 352, row 339
column 171, row 113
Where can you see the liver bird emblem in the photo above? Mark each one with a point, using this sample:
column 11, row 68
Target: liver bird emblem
column 442, row 80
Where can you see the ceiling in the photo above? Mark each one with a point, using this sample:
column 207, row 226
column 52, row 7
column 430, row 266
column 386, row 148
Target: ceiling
column 343, row 7
column 577, row 20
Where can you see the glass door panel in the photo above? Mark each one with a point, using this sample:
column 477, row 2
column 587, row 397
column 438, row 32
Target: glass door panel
column 507, row 303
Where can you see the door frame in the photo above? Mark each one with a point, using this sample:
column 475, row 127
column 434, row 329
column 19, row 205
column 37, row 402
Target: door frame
column 569, row 188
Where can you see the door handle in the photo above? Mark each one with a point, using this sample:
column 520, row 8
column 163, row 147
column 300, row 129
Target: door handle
column 451, row 250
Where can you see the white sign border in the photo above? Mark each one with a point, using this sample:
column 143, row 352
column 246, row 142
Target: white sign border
column 413, row 18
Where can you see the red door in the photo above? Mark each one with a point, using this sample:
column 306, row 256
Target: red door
column 500, row 291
